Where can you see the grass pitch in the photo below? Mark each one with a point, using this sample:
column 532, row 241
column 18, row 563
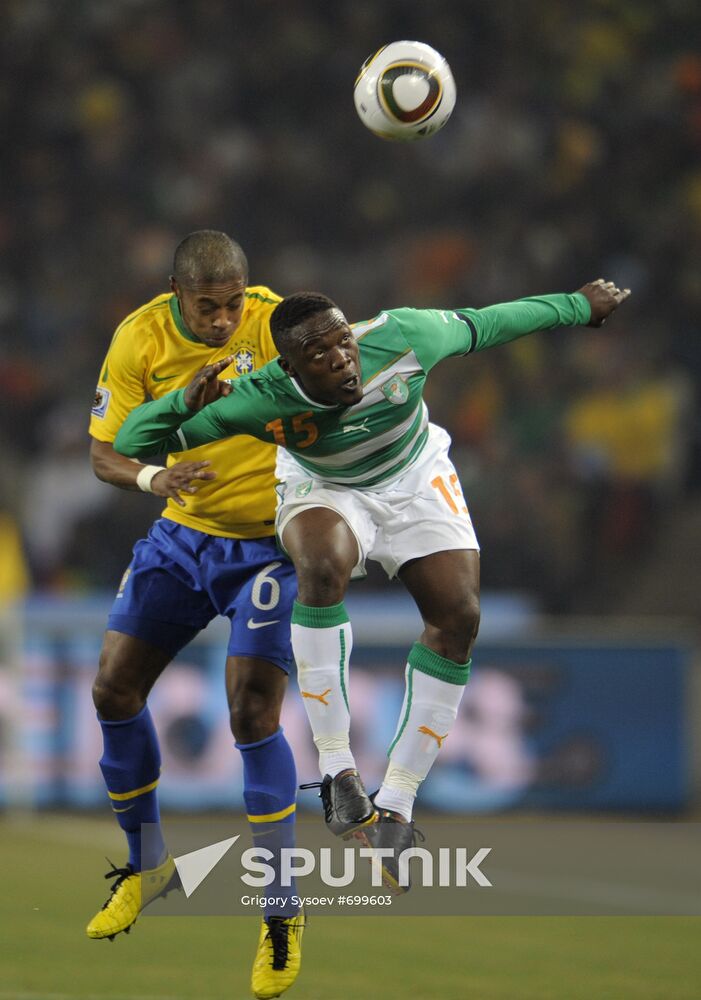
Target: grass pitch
column 51, row 870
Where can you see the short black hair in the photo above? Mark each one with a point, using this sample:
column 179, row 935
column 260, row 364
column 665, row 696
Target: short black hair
column 208, row 257
column 293, row 310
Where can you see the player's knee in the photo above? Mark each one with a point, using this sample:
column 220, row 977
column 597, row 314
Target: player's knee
column 470, row 616
column 467, row 623
column 322, row 580
column 462, row 616
column 253, row 717
column 454, row 631
column 115, row 702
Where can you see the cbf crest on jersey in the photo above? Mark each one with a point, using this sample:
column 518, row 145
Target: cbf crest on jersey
column 396, row 390
column 244, row 360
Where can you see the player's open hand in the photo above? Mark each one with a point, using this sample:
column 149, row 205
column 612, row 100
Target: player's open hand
column 180, row 478
column 206, row 385
column 604, row 297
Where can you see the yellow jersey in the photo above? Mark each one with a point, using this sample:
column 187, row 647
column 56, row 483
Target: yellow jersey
column 152, row 352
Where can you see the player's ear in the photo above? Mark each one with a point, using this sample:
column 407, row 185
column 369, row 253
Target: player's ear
column 286, row 366
column 173, row 284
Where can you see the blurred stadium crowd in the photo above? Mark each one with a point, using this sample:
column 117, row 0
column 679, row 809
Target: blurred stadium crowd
column 574, row 153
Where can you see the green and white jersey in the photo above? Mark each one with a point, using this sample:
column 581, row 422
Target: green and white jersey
column 378, row 438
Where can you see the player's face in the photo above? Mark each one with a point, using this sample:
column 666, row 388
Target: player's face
column 326, row 360
column 212, row 313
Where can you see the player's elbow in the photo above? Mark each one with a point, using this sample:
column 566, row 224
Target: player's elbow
column 101, row 460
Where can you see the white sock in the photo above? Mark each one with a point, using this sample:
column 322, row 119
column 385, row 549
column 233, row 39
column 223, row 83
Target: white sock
column 321, row 641
column 434, row 688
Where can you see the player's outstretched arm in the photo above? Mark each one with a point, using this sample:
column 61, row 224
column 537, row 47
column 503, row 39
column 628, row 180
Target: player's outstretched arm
column 174, row 423
column 500, row 324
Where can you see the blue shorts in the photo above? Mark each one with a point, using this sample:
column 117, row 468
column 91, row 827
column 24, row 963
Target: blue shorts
column 180, row 579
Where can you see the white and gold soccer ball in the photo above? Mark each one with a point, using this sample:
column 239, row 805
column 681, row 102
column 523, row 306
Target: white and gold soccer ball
column 405, row 91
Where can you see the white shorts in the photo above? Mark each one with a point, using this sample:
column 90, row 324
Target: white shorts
column 421, row 512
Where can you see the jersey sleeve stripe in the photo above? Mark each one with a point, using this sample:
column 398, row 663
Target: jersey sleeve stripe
column 472, row 328
column 262, row 298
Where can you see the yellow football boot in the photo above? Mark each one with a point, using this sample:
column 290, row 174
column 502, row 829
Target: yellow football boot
column 131, row 893
column 279, row 956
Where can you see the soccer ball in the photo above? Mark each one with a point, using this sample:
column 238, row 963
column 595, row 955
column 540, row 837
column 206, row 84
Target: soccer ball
column 404, row 91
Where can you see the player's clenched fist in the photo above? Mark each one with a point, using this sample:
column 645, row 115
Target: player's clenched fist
column 604, row 297
column 206, row 385
column 179, row 478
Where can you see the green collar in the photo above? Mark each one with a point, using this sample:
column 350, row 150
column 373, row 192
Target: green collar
column 180, row 322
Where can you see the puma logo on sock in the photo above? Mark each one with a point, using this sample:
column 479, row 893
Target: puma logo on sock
column 430, row 732
column 319, row 697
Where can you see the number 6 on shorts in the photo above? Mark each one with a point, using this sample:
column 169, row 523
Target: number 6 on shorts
column 260, row 581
